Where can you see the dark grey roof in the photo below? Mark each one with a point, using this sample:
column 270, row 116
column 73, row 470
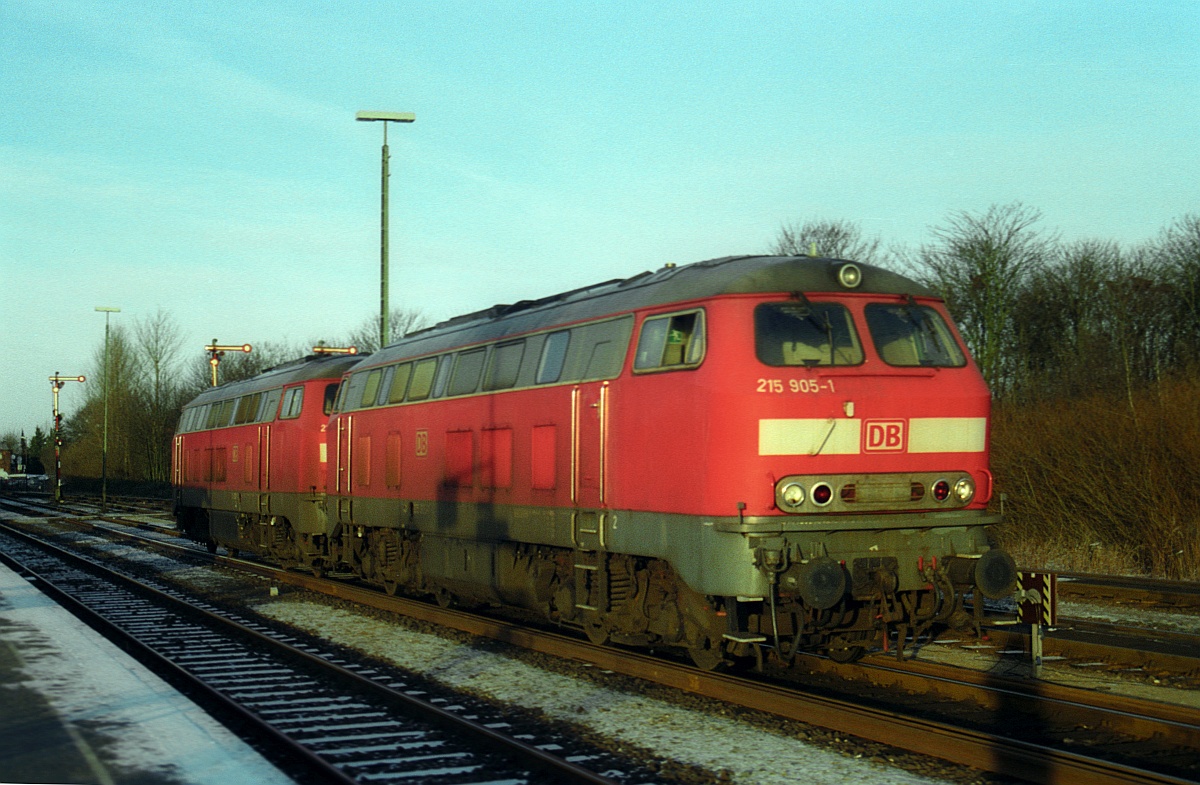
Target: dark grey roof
column 670, row 284
column 304, row 369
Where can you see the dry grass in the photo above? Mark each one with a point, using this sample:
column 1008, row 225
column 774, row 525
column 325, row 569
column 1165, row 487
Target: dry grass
column 1109, row 483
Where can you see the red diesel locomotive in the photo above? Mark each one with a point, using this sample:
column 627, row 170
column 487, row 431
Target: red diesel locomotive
column 742, row 454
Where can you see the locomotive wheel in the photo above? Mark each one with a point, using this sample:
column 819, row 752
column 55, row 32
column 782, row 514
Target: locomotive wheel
column 845, row 649
column 391, row 587
column 707, row 654
column 443, row 598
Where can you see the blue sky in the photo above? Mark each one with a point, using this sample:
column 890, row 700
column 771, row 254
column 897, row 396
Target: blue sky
column 204, row 158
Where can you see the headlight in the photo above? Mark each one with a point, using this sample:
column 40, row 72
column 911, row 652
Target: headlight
column 792, row 495
column 822, row 494
column 940, row 490
column 849, row 275
column 964, row 490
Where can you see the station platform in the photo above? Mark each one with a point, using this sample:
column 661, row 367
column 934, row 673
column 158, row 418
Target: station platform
column 76, row 709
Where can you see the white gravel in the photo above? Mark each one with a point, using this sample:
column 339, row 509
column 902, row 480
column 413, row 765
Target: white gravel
column 745, row 753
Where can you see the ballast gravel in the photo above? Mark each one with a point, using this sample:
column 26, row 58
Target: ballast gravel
column 735, row 751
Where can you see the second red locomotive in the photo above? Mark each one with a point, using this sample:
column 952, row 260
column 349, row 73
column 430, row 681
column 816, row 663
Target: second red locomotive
column 751, row 452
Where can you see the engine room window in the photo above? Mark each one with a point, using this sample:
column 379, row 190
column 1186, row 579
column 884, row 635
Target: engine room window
column 271, row 405
column 371, row 388
column 247, row 408
column 505, row 363
column 353, row 397
column 399, row 383
column 445, row 363
column 422, row 379
column 554, row 354
column 803, row 333
column 912, row 335
column 467, row 368
column 219, row 414
column 671, row 342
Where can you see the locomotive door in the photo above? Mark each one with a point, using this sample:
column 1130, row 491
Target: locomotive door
column 344, row 478
column 589, row 436
column 264, row 469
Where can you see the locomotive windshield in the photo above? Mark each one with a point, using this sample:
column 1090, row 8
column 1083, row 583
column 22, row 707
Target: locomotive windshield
column 912, row 335
column 804, row 333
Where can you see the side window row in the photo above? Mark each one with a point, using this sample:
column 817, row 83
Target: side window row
column 582, row 353
column 256, row 407
column 585, row 352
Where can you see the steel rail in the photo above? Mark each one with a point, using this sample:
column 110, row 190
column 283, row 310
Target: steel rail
column 989, row 752
column 1160, row 591
column 561, row 770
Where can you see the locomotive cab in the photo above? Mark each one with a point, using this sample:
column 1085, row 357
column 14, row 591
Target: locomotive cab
column 872, row 427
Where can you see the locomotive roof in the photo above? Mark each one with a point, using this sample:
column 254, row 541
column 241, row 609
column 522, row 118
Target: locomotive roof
column 669, row 284
column 306, row 368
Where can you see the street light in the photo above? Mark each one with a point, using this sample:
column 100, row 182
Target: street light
column 56, row 383
column 385, row 118
column 104, row 445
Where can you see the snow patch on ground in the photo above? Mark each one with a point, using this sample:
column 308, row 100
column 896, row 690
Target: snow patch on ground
column 1133, row 616
column 694, row 738
column 89, row 682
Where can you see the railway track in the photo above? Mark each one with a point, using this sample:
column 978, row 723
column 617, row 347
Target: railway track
column 344, row 722
column 1031, row 730
column 1151, row 592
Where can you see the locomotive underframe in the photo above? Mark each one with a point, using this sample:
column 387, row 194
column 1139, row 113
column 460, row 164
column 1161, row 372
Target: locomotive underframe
column 715, row 587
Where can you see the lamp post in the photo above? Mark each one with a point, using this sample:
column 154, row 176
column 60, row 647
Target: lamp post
column 385, row 118
column 104, row 444
column 56, row 383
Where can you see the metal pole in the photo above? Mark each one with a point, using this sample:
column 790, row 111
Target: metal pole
column 55, row 385
column 104, row 443
column 383, row 248
column 385, row 118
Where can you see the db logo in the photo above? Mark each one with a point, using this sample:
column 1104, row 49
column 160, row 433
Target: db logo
column 884, row 436
column 422, row 443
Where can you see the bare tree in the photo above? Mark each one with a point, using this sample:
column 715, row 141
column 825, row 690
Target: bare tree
column 84, row 432
column 239, row 365
column 980, row 264
column 818, row 237
column 159, row 344
column 401, row 322
column 1176, row 252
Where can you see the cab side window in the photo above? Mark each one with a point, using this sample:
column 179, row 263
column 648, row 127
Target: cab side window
column 670, row 342
column 293, row 402
column 331, row 391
